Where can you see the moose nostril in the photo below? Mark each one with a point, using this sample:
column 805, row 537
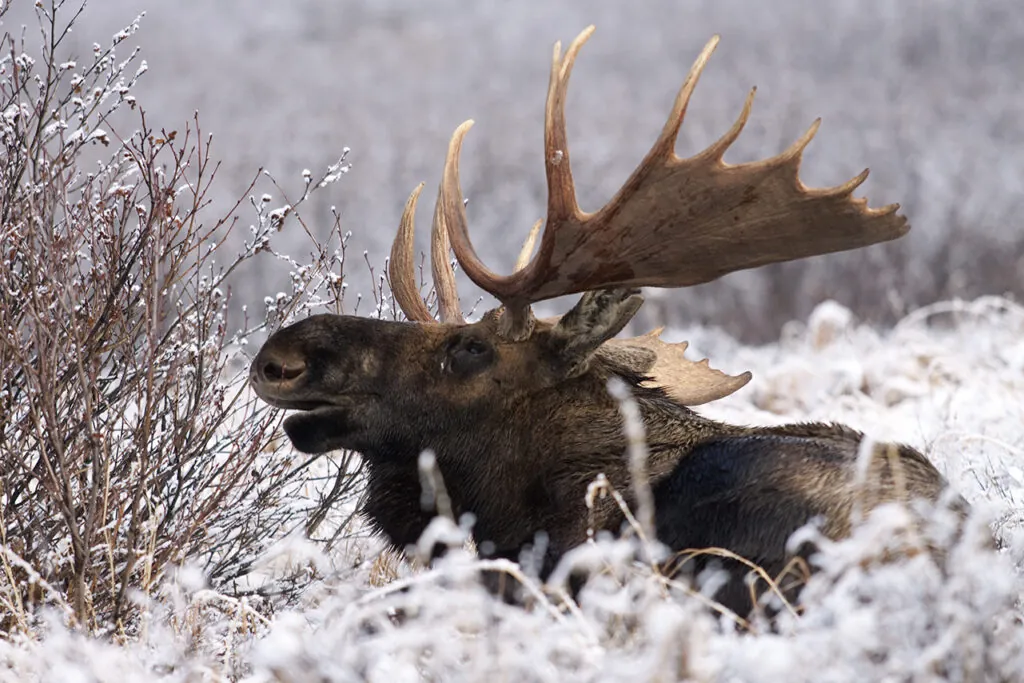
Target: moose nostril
column 274, row 370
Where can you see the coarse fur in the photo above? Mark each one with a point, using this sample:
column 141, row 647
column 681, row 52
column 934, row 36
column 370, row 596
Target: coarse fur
column 521, row 428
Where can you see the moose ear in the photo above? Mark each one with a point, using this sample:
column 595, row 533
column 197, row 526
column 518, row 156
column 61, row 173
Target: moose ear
column 597, row 317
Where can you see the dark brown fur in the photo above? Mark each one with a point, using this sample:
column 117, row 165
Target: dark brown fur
column 521, row 428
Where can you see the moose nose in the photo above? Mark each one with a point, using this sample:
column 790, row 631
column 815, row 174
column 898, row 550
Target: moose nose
column 273, row 368
column 279, row 371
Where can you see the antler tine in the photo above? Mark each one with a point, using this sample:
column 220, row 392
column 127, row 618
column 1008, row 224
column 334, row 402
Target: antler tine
column 402, row 269
column 527, row 250
column 561, row 189
column 517, row 323
column 441, row 268
column 664, row 148
column 453, row 209
column 717, row 150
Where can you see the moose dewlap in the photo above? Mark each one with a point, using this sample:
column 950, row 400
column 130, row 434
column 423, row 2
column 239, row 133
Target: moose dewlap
column 517, row 409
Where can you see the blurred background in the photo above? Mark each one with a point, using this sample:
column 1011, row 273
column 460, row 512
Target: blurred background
column 927, row 93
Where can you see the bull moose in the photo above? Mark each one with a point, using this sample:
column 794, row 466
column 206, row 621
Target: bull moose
column 517, row 409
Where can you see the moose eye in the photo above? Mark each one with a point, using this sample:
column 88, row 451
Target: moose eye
column 475, row 348
column 468, row 356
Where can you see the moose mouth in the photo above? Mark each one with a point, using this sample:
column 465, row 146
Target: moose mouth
column 320, row 426
column 304, row 406
column 313, row 405
column 316, row 427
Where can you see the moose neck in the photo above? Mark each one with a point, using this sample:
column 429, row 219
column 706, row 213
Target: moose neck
column 512, row 479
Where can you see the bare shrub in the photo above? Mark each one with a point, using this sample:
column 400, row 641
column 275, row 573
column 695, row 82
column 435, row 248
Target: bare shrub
column 128, row 439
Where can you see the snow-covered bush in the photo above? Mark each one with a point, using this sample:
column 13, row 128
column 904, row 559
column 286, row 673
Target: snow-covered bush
column 128, row 441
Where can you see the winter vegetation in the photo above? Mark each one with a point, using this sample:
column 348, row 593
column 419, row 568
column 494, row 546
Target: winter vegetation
column 155, row 523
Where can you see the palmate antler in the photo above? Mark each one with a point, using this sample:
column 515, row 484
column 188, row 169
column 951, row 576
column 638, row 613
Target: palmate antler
column 691, row 383
column 675, row 223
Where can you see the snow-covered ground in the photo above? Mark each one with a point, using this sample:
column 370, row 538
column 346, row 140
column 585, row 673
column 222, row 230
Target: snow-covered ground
column 948, row 379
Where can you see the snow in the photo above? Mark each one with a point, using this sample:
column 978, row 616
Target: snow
column 947, row 379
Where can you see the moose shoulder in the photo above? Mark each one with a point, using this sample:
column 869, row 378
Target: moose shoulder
column 517, row 410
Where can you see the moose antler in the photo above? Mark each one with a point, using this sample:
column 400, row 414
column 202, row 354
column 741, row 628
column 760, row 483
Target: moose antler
column 675, row 223
column 688, row 382
column 402, row 269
